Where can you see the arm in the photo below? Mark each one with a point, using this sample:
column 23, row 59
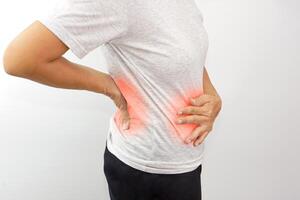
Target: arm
column 37, row 54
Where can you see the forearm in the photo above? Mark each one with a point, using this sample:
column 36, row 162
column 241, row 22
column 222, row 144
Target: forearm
column 208, row 86
column 62, row 73
column 210, row 90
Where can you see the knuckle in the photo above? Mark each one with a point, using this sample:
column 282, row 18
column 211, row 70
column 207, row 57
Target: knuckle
column 209, row 113
column 206, row 119
column 192, row 110
column 200, row 111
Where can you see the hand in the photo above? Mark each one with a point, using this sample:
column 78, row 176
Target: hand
column 203, row 111
column 115, row 94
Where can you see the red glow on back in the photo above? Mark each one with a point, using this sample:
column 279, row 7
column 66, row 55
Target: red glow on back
column 135, row 105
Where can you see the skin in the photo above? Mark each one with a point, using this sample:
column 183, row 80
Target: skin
column 37, row 54
column 203, row 112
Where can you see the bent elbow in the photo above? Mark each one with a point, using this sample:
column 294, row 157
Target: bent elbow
column 8, row 65
column 14, row 64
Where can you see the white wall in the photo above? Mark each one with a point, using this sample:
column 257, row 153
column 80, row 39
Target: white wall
column 254, row 62
column 52, row 140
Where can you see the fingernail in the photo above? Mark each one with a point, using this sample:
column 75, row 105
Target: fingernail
column 179, row 112
column 188, row 140
column 125, row 125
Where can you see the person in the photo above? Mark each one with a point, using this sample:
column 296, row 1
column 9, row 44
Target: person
column 155, row 53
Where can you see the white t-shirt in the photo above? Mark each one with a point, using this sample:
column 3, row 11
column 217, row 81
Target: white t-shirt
column 155, row 51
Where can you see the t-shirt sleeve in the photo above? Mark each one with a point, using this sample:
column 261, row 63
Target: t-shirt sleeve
column 84, row 25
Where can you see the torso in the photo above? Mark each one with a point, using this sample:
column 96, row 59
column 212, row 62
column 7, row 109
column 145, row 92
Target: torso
column 158, row 66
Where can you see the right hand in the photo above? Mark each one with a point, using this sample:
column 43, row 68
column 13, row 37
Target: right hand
column 116, row 95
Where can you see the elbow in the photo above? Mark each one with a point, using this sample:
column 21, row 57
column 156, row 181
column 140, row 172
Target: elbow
column 7, row 63
column 14, row 64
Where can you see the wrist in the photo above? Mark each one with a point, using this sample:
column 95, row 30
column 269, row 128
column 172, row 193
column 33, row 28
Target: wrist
column 106, row 85
column 96, row 81
column 211, row 93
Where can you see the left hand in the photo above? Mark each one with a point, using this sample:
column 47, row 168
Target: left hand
column 203, row 111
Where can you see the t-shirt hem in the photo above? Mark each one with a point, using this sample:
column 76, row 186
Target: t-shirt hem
column 144, row 165
column 148, row 169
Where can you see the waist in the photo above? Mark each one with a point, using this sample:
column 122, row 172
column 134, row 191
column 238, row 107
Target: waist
column 154, row 150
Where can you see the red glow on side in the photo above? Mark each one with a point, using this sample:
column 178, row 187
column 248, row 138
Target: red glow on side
column 182, row 131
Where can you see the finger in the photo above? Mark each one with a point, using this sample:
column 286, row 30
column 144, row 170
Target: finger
column 192, row 119
column 192, row 110
column 201, row 138
column 200, row 100
column 205, row 110
column 196, row 132
column 125, row 120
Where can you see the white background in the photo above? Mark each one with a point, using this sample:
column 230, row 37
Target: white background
column 52, row 140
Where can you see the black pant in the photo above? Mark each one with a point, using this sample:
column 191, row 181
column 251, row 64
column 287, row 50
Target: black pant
column 128, row 183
